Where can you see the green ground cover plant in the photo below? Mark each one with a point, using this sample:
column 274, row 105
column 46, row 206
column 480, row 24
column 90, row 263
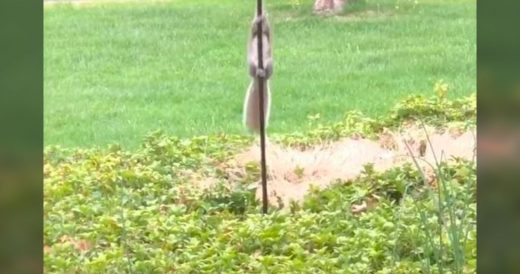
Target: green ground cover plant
column 111, row 210
column 116, row 71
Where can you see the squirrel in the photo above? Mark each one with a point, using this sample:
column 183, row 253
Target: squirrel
column 251, row 104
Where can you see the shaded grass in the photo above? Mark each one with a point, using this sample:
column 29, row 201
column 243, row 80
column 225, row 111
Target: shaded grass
column 114, row 72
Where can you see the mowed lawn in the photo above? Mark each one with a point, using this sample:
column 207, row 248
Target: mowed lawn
column 116, row 71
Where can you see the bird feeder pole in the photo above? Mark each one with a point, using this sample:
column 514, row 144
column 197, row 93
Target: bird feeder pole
column 261, row 86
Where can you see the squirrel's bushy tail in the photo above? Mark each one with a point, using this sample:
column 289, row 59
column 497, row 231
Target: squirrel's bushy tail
column 251, row 104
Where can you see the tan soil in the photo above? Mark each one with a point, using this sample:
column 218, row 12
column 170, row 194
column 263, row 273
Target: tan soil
column 291, row 172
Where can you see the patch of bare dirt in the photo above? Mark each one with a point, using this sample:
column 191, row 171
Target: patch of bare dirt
column 292, row 171
column 79, row 245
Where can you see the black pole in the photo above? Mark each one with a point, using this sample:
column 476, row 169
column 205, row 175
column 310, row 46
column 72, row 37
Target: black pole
column 261, row 86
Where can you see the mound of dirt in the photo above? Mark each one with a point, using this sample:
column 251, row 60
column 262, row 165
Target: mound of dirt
column 291, row 172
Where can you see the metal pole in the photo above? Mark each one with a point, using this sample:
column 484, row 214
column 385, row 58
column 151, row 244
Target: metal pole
column 261, row 86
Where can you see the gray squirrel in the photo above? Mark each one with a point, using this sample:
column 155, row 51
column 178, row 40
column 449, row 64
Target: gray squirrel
column 251, row 104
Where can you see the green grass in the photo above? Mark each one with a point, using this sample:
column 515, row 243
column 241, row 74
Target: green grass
column 115, row 72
